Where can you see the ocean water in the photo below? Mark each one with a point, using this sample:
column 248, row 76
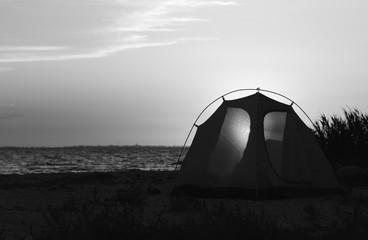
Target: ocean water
column 87, row 159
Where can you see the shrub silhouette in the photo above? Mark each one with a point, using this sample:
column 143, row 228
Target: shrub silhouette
column 344, row 139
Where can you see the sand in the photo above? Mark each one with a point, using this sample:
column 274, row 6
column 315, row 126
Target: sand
column 26, row 200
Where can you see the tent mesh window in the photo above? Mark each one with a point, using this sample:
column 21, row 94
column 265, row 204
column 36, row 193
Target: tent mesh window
column 231, row 143
column 274, row 128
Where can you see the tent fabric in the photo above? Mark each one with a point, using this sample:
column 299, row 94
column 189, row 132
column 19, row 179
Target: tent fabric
column 254, row 147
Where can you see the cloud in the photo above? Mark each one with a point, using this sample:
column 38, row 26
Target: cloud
column 7, row 104
column 30, row 48
column 158, row 17
column 97, row 53
column 50, row 30
column 10, row 116
column 30, row 53
column 154, row 24
column 5, row 69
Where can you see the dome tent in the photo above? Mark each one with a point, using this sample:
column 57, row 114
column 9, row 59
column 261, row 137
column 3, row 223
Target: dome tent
column 254, row 147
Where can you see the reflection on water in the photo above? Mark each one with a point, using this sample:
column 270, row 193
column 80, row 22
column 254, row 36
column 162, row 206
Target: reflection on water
column 87, row 159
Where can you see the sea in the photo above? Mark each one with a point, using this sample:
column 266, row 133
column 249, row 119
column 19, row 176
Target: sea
column 33, row 160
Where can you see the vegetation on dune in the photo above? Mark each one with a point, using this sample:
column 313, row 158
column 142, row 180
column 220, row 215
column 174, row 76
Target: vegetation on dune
column 122, row 219
column 344, row 139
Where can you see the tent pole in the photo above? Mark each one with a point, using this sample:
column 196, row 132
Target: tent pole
column 182, row 149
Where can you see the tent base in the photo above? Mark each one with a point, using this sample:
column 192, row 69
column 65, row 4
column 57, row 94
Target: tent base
column 252, row 194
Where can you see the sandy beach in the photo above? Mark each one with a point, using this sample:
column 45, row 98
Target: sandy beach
column 28, row 203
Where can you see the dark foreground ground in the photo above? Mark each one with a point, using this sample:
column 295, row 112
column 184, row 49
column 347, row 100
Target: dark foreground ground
column 136, row 205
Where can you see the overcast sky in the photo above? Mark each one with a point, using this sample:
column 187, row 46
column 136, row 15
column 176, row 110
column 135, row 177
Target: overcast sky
column 89, row 72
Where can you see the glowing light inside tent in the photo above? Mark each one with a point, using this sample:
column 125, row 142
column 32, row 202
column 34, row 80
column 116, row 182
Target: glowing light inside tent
column 238, row 128
column 274, row 127
column 232, row 142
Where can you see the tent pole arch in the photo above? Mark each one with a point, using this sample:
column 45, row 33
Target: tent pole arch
column 223, row 97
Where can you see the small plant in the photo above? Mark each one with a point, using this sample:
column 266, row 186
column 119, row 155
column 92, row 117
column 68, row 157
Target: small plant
column 2, row 232
column 351, row 224
column 92, row 220
column 130, row 194
column 313, row 213
column 185, row 204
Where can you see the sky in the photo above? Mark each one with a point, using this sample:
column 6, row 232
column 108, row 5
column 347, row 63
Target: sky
column 101, row 72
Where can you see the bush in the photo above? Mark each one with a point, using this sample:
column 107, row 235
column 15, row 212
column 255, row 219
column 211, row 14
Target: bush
column 344, row 139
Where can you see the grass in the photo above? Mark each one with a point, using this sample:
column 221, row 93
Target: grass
column 344, row 139
column 121, row 218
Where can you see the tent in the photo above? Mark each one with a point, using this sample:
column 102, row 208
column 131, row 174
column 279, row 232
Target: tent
column 256, row 148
